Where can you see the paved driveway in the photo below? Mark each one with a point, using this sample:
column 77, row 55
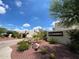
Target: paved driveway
column 5, row 50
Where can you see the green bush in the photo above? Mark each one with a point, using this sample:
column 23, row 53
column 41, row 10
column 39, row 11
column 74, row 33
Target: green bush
column 74, row 37
column 21, row 42
column 74, row 47
column 2, row 31
column 43, row 51
column 41, row 35
column 14, row 34
column 52, row 41
column 52, row 56
column 24, row 42
column 22, row 46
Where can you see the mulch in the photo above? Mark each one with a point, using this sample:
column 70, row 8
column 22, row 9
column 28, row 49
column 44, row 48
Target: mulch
column 61, row 52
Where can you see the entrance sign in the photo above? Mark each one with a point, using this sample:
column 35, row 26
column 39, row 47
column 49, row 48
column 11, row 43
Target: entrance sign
column 56, row 33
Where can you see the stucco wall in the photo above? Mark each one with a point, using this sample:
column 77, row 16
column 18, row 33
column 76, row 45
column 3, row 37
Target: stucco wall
column 61, row 39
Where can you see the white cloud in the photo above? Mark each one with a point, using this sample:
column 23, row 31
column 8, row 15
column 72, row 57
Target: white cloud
column 12, row 25
column 54, row 22
column 18, row 3
column 17, row 29
column 37, row 28
column 26, row 25
column 1, row 2
column 6, row 6
column 20, row 30
column 3, row 7
column 48, row 28
column 2, row 10
column 45, row 28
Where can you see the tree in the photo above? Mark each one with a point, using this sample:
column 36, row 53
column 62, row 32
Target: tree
column 66, row 10
column 14, row 33
column 2, row 30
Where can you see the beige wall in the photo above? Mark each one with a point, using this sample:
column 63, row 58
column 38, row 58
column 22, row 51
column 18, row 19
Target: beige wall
column 59, row 26
column 65, row 38
column 62, row 39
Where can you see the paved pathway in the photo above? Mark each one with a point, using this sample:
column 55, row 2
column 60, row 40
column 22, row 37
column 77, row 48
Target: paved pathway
column 8, row 43
column 5, row 53
column 5, row 50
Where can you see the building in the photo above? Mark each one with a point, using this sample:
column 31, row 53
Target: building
column 60, row 34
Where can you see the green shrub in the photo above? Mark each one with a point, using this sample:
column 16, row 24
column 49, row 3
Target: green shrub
column 74, row 47
column 52, row 41
column 22, row 42
column 22, row 46
column 2, row 31
column 41, row 35
column 52, row 56
column 43, row 51
column 74, row 37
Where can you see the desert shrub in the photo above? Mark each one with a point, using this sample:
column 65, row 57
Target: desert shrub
column 35, row 37
column 43, row 51
column 51, row 40
column 22, row 42
column 52, row 56
column 22, row 46
column 40, row 35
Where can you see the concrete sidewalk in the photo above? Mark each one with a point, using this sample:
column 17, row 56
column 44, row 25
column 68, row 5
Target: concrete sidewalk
column 8, row 43
column 5, row 53
column 5, row 50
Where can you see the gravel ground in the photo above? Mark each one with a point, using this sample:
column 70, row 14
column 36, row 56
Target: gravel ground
column 61, row 52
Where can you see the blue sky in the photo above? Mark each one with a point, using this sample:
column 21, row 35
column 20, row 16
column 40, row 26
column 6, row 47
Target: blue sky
column 25, row 14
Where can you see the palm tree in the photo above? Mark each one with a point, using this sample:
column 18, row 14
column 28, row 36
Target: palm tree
column 66, row 10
